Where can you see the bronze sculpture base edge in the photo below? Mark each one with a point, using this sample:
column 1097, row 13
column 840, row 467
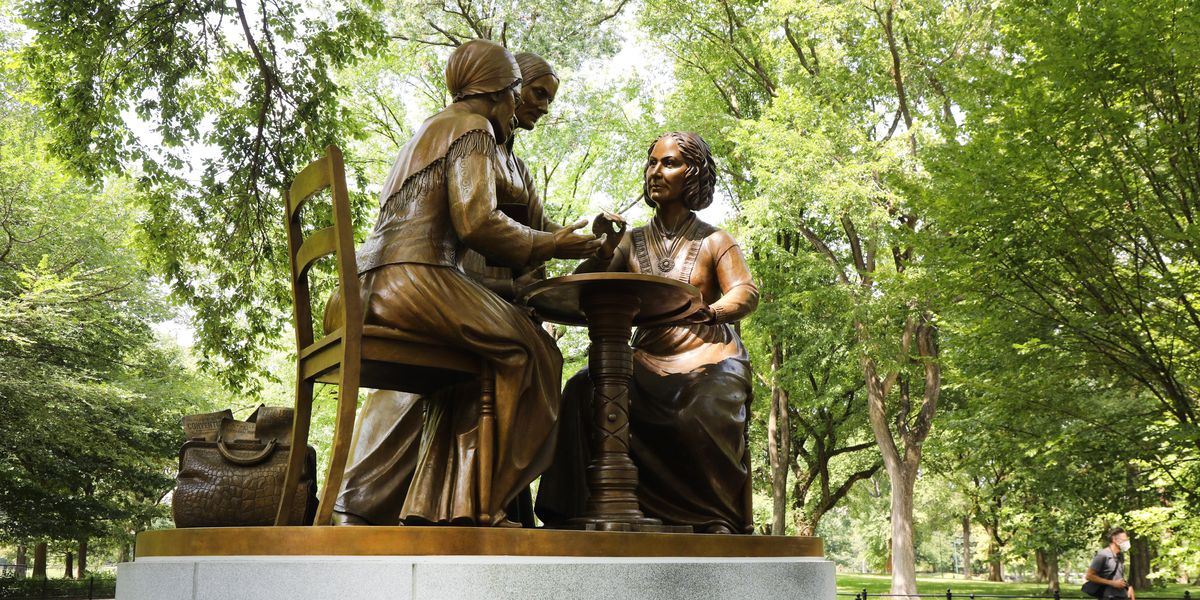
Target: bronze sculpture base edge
column 462, row 541
column 650, row 526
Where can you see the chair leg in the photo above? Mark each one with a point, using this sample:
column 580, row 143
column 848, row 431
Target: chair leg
column 301, row 419
column 487, row 436
column 343, row 431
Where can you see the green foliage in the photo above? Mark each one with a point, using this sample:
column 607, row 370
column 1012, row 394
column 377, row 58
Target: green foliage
column 91, row 400
column 1084, row 208
column 801, row 341
column 1068, row 199
column 235, row 97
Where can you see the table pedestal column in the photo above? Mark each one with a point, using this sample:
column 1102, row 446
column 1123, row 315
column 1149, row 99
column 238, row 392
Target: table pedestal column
column 612, row 477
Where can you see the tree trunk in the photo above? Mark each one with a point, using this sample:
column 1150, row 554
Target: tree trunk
column 69, row 572
column 21, row 564
column 995, row 566
column 1139, row 563
column 1041, row 575
column 903, row 461
column 779, row 437
column 83, row 556
column 967, row 551
column 904, row 560
column 39, row 560
column 804, row 527
column 1052, row 583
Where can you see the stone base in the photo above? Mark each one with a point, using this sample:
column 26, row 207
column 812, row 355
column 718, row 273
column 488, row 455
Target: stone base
column 474, row 578
column 469, row 563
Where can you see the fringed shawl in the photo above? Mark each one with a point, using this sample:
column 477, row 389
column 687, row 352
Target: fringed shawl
column 414, row 224
column 430, row 144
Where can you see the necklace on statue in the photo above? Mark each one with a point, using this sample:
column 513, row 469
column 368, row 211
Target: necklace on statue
column 666, row 256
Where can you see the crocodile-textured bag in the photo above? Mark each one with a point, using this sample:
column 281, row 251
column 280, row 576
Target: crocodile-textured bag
column 231, row 472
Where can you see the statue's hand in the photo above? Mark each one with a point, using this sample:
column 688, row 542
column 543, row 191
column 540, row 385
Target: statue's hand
column 612, row 227
column 569, row 244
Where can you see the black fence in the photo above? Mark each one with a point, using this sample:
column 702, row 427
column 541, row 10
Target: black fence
column 92, row 588
column 950, row 595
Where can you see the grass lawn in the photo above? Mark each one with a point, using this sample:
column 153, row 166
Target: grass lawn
column 853, row 583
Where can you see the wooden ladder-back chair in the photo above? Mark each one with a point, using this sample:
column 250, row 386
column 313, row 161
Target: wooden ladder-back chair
column 356, row 354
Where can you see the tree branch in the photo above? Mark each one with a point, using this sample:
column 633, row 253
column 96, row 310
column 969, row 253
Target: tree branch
column 787, row 30
column 612, row 15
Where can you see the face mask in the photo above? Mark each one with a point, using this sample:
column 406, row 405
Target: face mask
column 1124, row 546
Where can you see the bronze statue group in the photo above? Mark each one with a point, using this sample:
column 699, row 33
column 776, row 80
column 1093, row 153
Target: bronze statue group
column 460, row 230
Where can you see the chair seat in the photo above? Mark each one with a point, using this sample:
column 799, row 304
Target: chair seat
column 390, row 362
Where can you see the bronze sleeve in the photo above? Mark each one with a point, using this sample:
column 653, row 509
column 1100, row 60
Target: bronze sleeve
column 620, row 259
column 739, row 295
column 471, row 193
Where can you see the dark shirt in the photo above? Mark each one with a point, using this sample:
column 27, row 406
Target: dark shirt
column 1111, row 567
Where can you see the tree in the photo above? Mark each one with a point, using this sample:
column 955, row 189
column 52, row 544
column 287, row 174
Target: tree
column 1085, row 210
column 1077, row 215
column 815, row 432
column 1048, row 452
column 91, row 399
column 814, row 86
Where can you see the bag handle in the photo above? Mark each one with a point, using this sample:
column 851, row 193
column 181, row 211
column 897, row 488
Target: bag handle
column 245, row 461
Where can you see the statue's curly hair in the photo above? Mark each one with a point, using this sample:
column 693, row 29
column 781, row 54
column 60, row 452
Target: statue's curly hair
column 700, row 178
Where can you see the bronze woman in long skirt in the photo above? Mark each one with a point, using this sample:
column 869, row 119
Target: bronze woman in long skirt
column 439, row 200
column 388, row 433
column 691, row 389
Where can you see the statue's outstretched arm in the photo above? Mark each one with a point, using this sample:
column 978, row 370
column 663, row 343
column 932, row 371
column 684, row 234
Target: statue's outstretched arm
column 471, row 182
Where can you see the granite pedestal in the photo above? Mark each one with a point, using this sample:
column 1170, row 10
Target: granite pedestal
column 468, row 563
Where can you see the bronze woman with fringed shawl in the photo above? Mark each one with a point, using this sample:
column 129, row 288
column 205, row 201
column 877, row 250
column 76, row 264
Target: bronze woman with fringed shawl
column 440, row 200
column 691, row 387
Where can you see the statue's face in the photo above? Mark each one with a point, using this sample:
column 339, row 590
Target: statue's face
column 536, row 97
column 504, row 111
column 665, row 169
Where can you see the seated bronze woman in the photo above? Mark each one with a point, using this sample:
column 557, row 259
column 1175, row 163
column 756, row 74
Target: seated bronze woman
column 439, row 201
column 691, row 388
column 392, row 425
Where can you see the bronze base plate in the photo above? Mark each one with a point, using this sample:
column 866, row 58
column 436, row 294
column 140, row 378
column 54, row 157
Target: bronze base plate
column 461, row 541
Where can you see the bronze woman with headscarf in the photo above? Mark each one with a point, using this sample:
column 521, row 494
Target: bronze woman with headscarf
column 440, row 199
column 518, row 195
column 691, row 388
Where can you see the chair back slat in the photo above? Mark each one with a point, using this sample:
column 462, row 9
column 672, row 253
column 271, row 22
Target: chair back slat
column 327, row 172
column 314, row 178
column 320, row 243
column 301, row 299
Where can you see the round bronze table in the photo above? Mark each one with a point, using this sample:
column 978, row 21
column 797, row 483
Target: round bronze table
column 610, row 304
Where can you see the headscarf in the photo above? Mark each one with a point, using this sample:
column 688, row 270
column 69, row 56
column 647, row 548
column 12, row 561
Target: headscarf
column 533, row 66
column 480, row 67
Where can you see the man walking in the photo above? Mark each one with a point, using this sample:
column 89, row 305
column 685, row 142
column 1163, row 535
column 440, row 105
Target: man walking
column 1107, row 571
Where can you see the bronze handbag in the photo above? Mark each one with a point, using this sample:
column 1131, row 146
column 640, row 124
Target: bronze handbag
column 231, row 472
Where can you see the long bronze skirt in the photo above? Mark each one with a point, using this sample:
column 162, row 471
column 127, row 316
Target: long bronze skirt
column 442, row 306
column 383, row 457
column 688, row 440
